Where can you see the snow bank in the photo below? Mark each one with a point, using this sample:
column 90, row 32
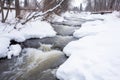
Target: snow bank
column 90, row 28
column 7, row 50
column 36, row 29
column 4, row 44
column 94, row 57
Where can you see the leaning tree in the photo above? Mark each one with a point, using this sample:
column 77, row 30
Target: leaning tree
column 43, row 8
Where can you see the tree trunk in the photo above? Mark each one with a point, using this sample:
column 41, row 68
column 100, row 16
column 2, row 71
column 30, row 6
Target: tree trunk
column 2, row 12
column 25, row 3
column 0, row 6
column 17, row 8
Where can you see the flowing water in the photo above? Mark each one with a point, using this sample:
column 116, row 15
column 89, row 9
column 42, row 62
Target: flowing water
column 34, row 64
column 37, row 60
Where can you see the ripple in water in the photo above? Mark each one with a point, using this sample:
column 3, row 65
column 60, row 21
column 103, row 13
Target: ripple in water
column 35, row 64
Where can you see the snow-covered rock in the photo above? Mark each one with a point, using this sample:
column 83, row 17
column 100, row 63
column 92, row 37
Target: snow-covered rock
column 14, row 50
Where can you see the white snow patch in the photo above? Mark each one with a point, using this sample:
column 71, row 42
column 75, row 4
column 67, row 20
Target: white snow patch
column 56, row 18
column 94, row 57
column 90, row 28
column 76, row 3
column 14, row 50
column 4, row 44
column 38, row 29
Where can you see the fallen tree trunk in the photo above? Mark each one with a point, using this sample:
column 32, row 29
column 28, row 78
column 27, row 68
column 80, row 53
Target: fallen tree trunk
column 101, row 12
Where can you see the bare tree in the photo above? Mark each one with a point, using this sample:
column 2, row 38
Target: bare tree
column 103, row 5
column 55, row 6
column 26, row 3
column 8, row 7
column 89, row 6
column 81, row 8
column 0, row 6
column 50, row 4
column 17, row 8
column 4, row 16
column 2, row 11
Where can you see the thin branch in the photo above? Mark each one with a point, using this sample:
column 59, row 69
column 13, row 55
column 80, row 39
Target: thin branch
column 38, row 15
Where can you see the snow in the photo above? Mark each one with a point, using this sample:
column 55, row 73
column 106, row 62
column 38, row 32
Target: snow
column 38, row 29
column 19, row 33
column 56, row 18
column 95, row 56
column 14, row 35
column 14, row 50
column 4, row 44
column 39, row 0
column 76, row 3
column 101, row 24
column 90, row 28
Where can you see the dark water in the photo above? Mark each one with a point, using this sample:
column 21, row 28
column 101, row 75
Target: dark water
column 40, row 63
column 34, row 64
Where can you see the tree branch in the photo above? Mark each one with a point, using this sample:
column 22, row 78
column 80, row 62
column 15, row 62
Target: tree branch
column 38, row 15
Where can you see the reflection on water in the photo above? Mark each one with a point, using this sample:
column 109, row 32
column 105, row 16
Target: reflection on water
column 34, row 64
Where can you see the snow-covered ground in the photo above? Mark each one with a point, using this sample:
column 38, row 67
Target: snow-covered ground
column 95, row 56
column 33, row 29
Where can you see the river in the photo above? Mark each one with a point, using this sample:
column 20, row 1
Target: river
column 40, row 58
